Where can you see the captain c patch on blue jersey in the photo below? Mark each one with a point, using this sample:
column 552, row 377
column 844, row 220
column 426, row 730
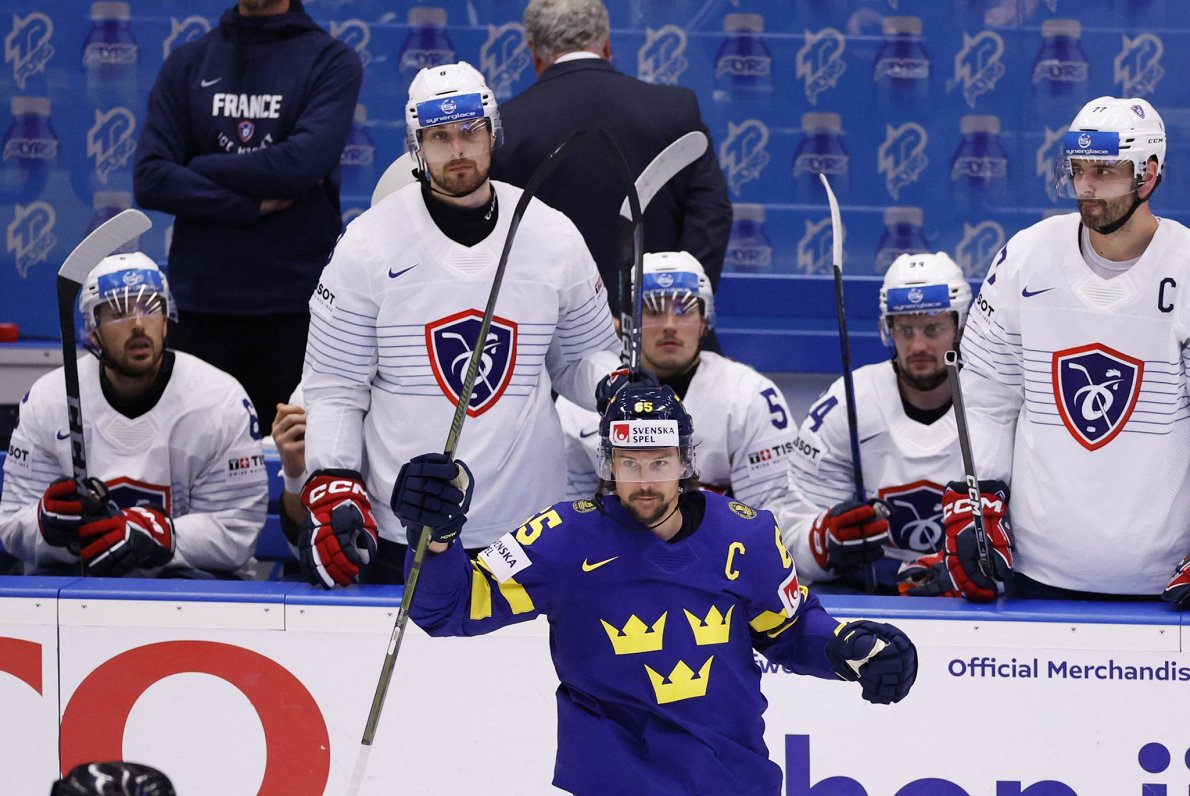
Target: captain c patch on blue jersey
column 1096, row 388
column 450, row 341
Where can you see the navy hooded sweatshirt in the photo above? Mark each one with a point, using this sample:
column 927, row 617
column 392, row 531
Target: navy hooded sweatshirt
column 259, row 108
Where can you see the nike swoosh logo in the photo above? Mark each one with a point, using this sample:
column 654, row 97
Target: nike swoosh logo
column 591, row 567
column 392, row 275
column 1026, row 292
column 209, row 83
column 585, row 434
column 63, row 435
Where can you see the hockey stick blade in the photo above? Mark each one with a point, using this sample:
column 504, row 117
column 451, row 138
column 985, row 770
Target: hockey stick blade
column 105, row 239
column 544, row 169
column 663, row 168
column 983, row 546
column 396, row 176
column 845, row 355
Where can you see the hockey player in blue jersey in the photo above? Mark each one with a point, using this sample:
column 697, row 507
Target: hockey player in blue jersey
column 656, row 594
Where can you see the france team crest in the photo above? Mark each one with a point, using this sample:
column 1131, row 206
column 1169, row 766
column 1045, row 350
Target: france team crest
column 451, row 340
column 1096, row 389
column 916, row 520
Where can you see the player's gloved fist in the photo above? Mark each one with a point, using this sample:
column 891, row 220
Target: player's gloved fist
column 64, row 508
column 962, row 552
column 433, row 491
column 926, row 577
column 613, row 382
column 339, row 535
column 1178, row 590
column 849, row 535
column 139, row 537
column 879, row 656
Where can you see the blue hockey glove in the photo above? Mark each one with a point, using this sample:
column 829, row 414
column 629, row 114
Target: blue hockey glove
column 613, row 382
column 64, row 509
column 435, row 491
column 1177, row 592
column 139, row 537
column 926, row 577
column 879, row 656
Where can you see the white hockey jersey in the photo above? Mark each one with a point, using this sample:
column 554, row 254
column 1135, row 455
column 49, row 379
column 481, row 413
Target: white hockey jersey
column 392, row 324
column 197, row 454
column 904, row 462
column 1076, row 395
column 743, row 434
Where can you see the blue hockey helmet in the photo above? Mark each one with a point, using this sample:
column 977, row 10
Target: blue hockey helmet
column 646, row 418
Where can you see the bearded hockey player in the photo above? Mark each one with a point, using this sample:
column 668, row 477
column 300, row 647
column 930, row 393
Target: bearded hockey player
column 657, row 595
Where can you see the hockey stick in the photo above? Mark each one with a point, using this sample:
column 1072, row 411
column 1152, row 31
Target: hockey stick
column 982, row 545
column 105, row 239
column 663, row 168
column 845, row 353
column 543, row 171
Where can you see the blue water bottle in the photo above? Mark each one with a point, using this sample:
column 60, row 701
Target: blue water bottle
column 109, row 57
column 748, row 249
column 426, row 44
column 821, row 151
column 358, row 162
column 979, row 168
column 743, row 65
column 902, row 235
column 901, row 71
column 30, row 151
column 1060, row 72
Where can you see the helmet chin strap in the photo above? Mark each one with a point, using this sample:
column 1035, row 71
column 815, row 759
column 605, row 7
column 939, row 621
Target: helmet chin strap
column 422, row 175
column 1108, row 229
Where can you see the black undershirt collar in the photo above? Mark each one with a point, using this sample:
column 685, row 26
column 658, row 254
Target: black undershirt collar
column 466, row 226
column 136, row 406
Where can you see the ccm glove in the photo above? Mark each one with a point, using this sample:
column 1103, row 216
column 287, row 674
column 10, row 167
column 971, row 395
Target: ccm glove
column 613, row 382
column 139, row 537
column 339, row 536
column 433, row 491
column 926, row 577
column 879, row 656
column 1178, row 591
column 962, row 552
column 64, row 508
column 848, row 536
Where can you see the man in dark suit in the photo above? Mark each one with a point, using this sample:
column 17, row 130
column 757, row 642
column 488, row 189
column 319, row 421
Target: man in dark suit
column 577, row 88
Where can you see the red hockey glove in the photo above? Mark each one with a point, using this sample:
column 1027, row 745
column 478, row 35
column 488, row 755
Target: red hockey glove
column 881, row 657
column 962, row 552
column 139, row 537
column 64, row 508
column 926, row 577
column 848, row 536
column 340, row 534
column 1178, row 591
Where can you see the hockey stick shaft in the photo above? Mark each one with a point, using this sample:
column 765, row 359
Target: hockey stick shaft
column 982, row 545
column 637, row 248
column 452, row 440
column 845, row 355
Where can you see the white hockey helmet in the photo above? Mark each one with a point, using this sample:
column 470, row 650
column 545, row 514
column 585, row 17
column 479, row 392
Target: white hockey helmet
column 1110, row 131
column 678, row 276
column 126, row 280
column 923, row 283
column 446, row 94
